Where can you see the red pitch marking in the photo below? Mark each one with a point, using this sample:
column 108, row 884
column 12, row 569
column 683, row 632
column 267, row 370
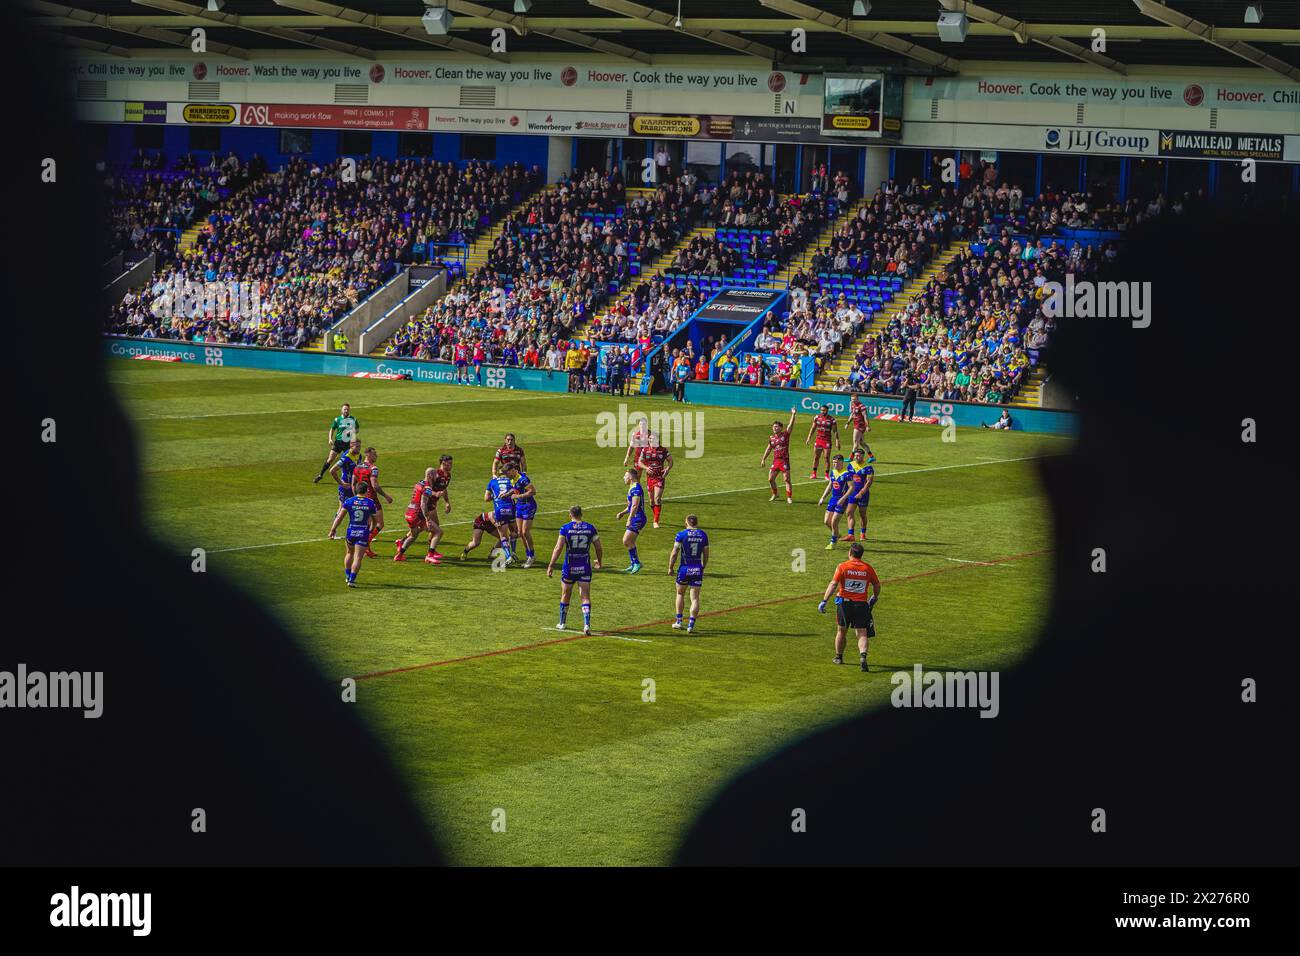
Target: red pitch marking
column 729, row 610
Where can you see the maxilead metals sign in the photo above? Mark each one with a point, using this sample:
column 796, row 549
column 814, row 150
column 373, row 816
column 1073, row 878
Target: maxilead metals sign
column 1201, row 145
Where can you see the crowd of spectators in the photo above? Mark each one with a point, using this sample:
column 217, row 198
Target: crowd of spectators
column 311, row 241
column 149, row 205
column 555, row 265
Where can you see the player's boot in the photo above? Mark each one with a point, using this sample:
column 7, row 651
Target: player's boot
column 690, row 628
column 849, row 536
column 677, row 625
column 862, row 662
column 634, row 567
column 831, row 546
column 789, row 499
column 656, row 524
column 586, row 630
column 813, row 476
column 431, row 559
column 528, row 563
column 837, row 659
column 317, row 479
column 560, row 626
column 773, row 498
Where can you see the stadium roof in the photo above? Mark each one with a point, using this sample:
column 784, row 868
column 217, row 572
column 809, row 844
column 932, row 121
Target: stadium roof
column 896, row 33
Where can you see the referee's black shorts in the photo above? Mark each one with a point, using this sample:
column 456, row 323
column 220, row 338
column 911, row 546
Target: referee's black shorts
column 855, row 614
column 340, row 445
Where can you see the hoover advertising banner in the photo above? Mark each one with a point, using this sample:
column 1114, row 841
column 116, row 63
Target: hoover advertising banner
column 1221, row 145
column 1178, row 93
column 442, row 72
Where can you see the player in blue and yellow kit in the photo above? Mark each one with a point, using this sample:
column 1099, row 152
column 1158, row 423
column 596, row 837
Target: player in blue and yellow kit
column 501, row 492
column 576, row 539
column 693, row 546
column 635, row 512
column 863, row 475
column 341, row 472
column 839, row 486
column 361, row 511
column 525, row 498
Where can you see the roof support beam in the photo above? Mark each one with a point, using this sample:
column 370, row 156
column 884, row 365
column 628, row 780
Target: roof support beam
column 89, row 18
column 904, row 48
column 1204, row 31
column 372, row 22
column 1020, row 30
column 639, row 11
column 522, row 26
column 221, row 18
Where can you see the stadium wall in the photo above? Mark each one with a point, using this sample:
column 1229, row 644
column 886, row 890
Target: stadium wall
column 809, row 402
column 704, row 393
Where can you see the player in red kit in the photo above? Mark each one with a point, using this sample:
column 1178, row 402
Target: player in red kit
column 367, row 473
column 507, row 455
column 417, row 513
column 657, row 462
column 484, row 524
column 778, row 446
column 440, row 487
column 827, row 429
column 858, row 420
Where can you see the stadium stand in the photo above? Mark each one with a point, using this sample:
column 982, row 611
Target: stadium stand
column 313, row 244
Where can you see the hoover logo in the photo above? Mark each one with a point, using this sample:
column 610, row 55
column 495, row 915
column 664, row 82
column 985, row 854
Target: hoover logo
column 1077, row 140
column 1193, row 95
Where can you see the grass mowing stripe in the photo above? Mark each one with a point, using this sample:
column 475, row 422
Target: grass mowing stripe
column 701, row 494
column 613, row 632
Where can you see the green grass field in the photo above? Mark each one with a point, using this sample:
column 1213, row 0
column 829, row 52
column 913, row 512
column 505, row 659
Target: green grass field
column 557, row 734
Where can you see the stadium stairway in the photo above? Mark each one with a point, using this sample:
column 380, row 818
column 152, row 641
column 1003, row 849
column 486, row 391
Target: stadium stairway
column 780, row 280
column 843, row 362
column 662, row 265
column 1031, row 393
column 191, row 236
column 803, row 259
column 475, row 257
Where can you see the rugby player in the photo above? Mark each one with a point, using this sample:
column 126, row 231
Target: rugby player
column 852, row 606
column 657, row 462
column 778, row 446
column 440, row 486
column 858, row 419
column 341, row 472
column 638, row 439
column 693, row 546
column 635, row 512
column 525, row 498
column 342, row 432
column 500, row 491
column 509, row 454
column 417, row 512
column 368, row 473
column 863, row 476
column 361, row 509
column 576, row 540
column 482, row 523
column 826, row 427
column 839, row 486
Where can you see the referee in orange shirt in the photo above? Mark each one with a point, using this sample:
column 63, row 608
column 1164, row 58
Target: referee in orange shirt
column 852, row 606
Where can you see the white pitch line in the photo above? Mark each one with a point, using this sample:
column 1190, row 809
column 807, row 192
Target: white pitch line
column 617, row 637
column 325, row 408
column 701, row 494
